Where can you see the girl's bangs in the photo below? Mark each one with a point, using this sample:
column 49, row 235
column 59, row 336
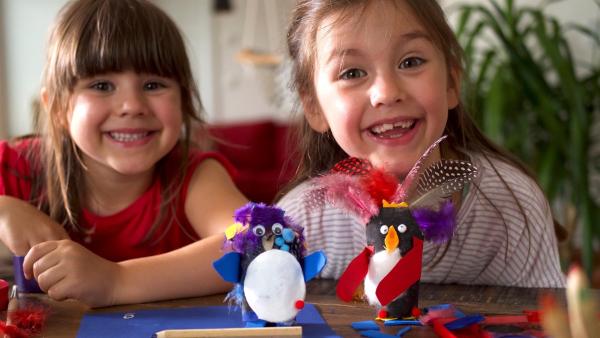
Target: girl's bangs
column 138, row 41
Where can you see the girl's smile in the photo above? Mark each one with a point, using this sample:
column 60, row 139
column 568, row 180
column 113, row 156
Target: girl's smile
column 131, row 137
column 393, row 131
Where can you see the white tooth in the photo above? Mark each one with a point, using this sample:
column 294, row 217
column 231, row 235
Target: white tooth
column 383, row 128
column 127, row 137
column 403, row 124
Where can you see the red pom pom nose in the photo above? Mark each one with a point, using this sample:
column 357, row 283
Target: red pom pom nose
column 299, row 304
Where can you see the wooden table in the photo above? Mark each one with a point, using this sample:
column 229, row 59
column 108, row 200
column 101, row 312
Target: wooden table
column 65, row 316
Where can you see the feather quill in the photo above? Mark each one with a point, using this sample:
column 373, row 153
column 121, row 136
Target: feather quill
column 405, row 187
column 439, row 181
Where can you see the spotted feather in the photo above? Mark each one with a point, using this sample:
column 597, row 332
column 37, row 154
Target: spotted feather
column 440, row 180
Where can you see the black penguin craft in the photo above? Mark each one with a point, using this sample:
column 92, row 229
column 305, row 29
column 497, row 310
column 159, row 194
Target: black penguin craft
column 268, row 265
column 398, row 218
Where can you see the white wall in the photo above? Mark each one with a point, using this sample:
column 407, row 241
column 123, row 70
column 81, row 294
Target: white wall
column 24, row 26
column 194, row 18
column 230, row 91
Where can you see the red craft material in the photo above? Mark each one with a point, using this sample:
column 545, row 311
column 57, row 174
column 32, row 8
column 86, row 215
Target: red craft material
column 382, row 314
column 24, row 323
column 441, row 330
column 3, row 294
column 354, row 275
column 404, row 274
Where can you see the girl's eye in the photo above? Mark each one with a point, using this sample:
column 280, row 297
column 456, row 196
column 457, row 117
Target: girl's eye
column 153, row 85
column 384, row 229
column 102, row 86
column 402, row 228
column 411, row 62
column 258, row 230
column 352, row 73
column 277, row 228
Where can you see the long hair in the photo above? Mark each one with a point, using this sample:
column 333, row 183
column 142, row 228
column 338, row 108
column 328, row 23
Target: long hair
column 319, row 152
column 92, row 37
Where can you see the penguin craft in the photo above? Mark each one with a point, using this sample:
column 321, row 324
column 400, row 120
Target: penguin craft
column 267, row 264
column 398, row 218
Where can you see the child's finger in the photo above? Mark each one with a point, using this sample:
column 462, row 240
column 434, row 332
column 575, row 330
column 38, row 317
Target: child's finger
column 50, row 278
column 34, row 254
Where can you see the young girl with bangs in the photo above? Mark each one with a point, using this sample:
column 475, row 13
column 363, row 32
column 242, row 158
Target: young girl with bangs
column 380, row 80
column 109, row 203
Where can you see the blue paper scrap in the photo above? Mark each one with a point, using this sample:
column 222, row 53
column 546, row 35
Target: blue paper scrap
column 375, row 334
column 144, row 323
column 464, row 322
column 403, row 331
column 395, row 322
column 365, row 325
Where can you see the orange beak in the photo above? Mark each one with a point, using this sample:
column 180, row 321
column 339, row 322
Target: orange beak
column 391, row 240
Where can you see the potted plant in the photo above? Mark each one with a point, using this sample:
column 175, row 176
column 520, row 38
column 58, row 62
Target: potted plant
column 530, row 94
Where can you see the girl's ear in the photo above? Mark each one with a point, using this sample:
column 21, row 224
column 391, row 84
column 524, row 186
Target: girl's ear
column 313, row 114
column 44, row 99
column 453, row 91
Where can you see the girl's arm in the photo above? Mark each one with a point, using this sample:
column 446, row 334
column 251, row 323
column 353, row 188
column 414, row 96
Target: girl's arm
column 185, row 272
column 23, row 226
column 211, row 201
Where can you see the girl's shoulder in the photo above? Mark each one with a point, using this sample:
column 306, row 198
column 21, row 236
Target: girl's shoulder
column 194, row 158
column 198, row 156
column 501, row 183
column 20, row 146
column 494, row 170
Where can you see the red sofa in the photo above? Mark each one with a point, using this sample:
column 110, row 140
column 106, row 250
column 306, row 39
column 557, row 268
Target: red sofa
column 261, row 153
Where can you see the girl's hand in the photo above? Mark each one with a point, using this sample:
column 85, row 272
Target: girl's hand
column 23, row 226
column 66, row 270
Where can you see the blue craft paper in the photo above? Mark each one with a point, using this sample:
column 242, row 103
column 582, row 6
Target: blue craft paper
column 23, row 284
column 375, row 334
column 365, row 325
column 396, row 322
column 464, row 322
column 144, row 323
column 403, row 331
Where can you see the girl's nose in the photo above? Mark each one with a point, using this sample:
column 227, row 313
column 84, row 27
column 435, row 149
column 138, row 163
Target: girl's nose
column 133, row 103
column 386, row 90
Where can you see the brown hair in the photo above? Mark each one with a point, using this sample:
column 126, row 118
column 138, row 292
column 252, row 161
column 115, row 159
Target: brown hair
column 93, row 37
column 318, row 152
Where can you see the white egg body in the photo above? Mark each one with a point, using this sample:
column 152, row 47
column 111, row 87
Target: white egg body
column 273, row 284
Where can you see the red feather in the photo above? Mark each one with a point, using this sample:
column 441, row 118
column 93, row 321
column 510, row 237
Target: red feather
column 25, row 323
column 352, row 166
column 380, row 185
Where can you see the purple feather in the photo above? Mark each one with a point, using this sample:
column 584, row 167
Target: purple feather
column 437, row 226
column 253, row 214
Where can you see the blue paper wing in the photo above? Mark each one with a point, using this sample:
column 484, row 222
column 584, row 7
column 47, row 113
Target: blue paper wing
column 313, row 264
column 228, row 267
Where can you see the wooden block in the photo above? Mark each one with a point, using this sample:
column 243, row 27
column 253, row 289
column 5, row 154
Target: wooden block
column 274, row 332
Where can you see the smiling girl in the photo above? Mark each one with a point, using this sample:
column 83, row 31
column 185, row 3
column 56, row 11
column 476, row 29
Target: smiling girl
column 380, row 80
column 109, row 202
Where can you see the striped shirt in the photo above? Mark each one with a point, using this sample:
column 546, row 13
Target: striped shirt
column 492, row 244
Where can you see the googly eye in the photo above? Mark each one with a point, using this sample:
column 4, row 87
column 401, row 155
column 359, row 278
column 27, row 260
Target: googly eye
column 384, row 229
column 259, row 230
column 277, row 228
column 402, row 228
